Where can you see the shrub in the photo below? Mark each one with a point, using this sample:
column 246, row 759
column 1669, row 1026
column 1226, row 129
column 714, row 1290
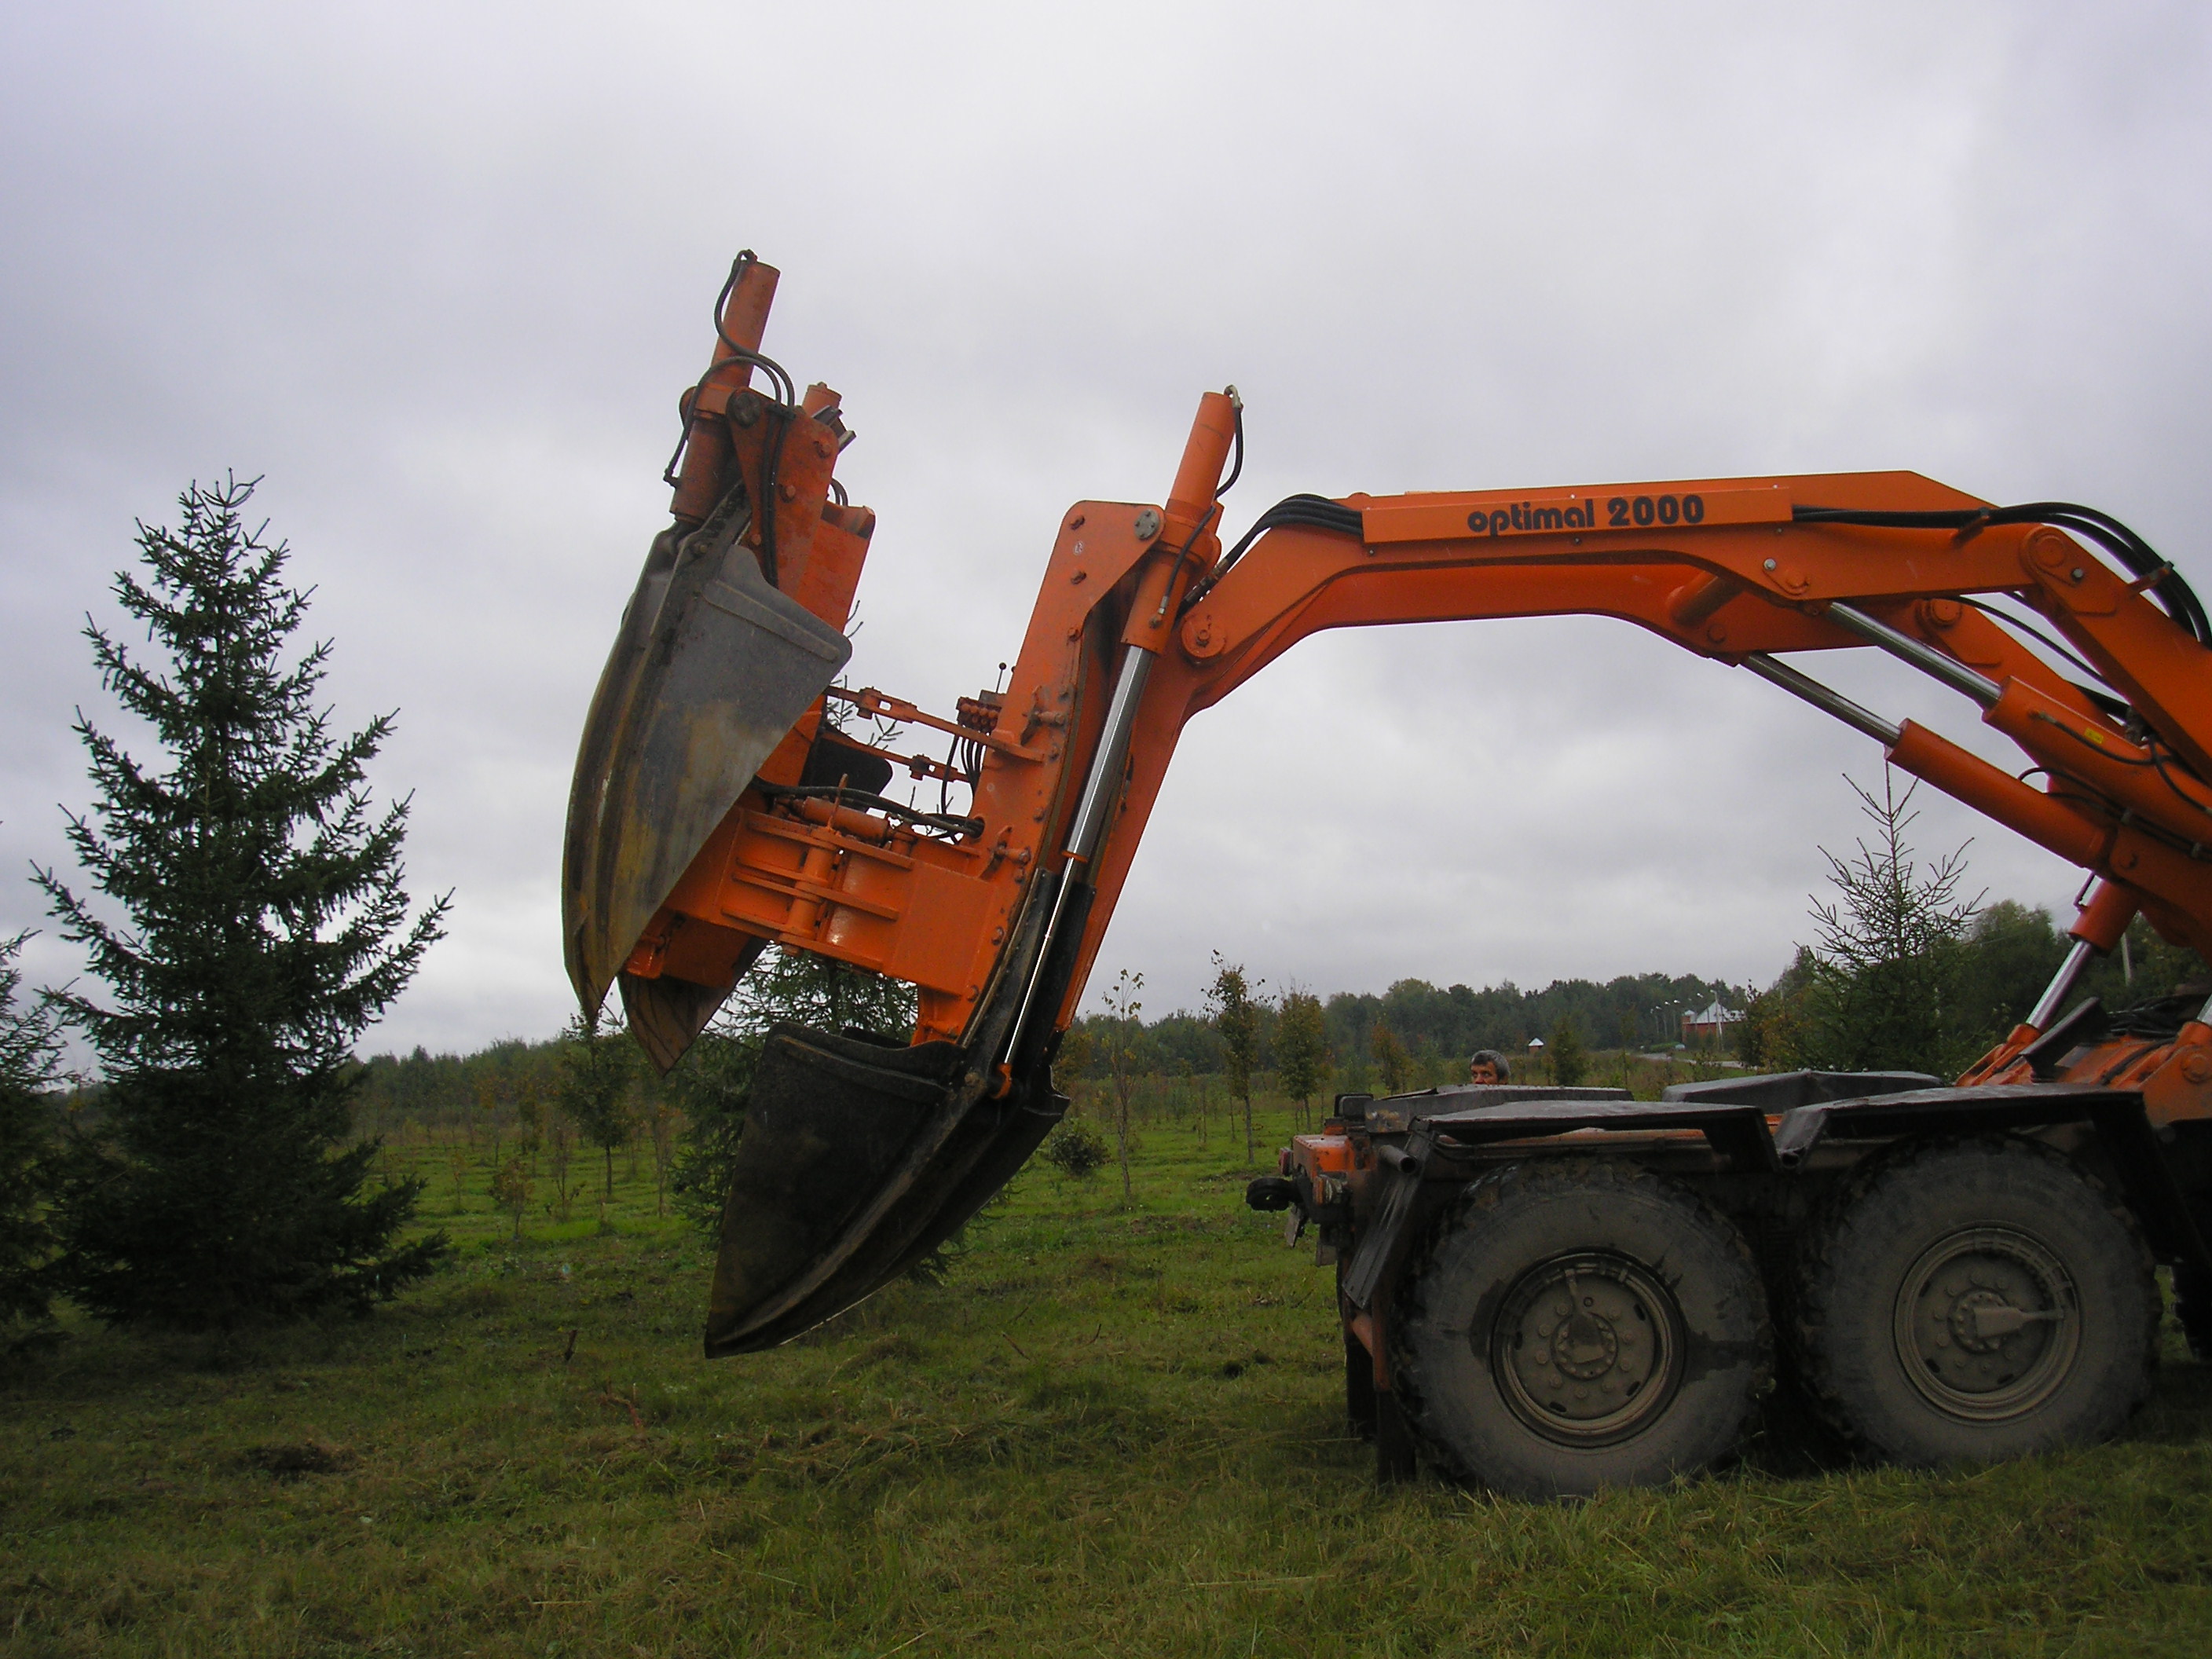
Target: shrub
column 1076, row 1149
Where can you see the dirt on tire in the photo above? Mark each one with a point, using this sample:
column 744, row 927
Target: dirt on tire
column 1916, row 1372
column 1664, row 1270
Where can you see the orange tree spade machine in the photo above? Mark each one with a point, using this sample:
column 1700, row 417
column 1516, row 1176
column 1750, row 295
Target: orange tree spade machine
column 1546, row 1290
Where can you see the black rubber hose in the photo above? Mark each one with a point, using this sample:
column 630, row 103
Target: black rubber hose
column 2132, row 550
column 1312, row 511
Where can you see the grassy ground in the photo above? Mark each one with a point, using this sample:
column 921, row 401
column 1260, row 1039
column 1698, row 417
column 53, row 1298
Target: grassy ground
column 1114, row 1430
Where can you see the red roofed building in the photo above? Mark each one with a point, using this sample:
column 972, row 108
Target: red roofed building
column 1709, row 1025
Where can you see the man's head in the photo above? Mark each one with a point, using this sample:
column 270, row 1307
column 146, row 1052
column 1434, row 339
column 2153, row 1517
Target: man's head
column 1487, row 1066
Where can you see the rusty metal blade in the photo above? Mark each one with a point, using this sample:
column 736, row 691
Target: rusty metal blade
column 856, row 1159
column 711, row 668
column 666, row 1013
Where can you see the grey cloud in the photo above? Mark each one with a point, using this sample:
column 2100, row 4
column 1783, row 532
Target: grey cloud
column 439, row 271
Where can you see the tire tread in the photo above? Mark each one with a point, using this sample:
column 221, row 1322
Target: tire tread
column 1824, row 1262
column 1620, row 1175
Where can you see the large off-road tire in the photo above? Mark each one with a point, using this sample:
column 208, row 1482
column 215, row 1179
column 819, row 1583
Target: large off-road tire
column 1578, row 1324
column 1969, row 1301
column 2192, row 1309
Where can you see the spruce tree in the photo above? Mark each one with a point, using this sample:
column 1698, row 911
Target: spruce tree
column 30, row 1064
column 1886, row 988
column 1570, row 1060
column 251, row 922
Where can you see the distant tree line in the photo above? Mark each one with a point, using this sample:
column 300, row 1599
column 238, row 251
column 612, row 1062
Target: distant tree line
column 1903, row 973
column 507, row 1085
column 1935, row 1010
column 1437, row 1028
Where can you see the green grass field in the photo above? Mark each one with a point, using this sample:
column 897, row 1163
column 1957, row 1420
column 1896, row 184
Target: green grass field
column 1113, row 1430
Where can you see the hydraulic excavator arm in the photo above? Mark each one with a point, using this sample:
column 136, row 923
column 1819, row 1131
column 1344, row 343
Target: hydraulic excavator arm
column 717, row 809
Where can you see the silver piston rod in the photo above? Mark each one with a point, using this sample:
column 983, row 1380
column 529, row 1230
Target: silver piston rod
column 1105, row 775
column 1092, row 809
column 1925, row 658
column 2062, row 983
column 1823, row 698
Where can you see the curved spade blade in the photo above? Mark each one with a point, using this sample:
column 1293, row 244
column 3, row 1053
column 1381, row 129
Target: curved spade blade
column 857, row 1158
column 711, row 668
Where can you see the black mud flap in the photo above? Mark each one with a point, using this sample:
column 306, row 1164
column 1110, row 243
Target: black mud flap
column 713, row 667
column 857, row 1159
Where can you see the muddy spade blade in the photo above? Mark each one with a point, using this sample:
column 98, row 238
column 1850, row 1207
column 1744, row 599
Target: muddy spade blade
column 711, row 668
column 857, row 1158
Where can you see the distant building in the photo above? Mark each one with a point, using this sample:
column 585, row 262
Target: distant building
column 1710, row 1024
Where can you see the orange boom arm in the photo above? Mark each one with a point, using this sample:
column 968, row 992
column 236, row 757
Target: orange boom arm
column 1722, row 568
column 996, row 913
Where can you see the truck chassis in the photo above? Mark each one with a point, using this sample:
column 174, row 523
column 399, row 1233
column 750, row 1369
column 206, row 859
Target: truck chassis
column 1549, row 1290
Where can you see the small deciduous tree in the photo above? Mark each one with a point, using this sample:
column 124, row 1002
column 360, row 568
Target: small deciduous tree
column 510, row 1190
column 560, row 1148
column 488, row 1108
column 1391, row 1059
column 1236, row 1019
column 255, row 923
column 530, row 1121
column 1301, row 1058
column 1198, row 1088
column 598, row 1067
column 667, row 1124
column 1124, row 1032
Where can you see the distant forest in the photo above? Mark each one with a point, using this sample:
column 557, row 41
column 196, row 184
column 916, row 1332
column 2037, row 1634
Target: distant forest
column 2012, row 952
column 1439, row 1026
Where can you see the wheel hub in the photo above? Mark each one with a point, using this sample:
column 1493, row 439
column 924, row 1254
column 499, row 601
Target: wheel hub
column 1587, row 1349
column 1987, row 1324
column 1583, row 1345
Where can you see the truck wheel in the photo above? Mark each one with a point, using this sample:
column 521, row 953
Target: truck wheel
column 2192, row 1308
column 1972, row 1301
column 1580, row 1324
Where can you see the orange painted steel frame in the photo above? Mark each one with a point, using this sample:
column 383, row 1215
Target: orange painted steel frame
column 1718, row 566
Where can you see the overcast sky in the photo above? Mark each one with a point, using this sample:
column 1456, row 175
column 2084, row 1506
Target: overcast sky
column 439, row 271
